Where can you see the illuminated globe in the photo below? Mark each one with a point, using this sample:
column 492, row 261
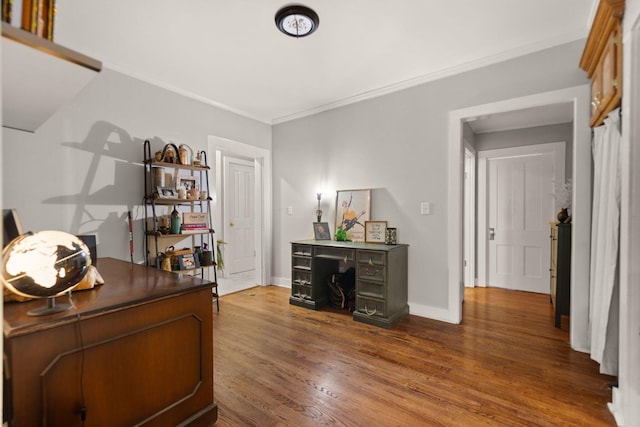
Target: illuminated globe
column 44, row 264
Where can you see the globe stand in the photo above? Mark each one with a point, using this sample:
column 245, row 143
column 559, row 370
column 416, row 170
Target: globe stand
column 50, row 308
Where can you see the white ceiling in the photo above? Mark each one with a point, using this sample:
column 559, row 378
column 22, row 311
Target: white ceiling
column 230, row 53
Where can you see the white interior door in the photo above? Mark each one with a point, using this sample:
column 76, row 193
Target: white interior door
column 520, row 208
column 239, row 215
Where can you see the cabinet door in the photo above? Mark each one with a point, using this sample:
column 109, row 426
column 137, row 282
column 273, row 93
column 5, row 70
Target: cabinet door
column 606, row 80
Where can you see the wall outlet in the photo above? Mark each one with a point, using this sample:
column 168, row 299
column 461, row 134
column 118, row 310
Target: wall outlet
column 289, row 210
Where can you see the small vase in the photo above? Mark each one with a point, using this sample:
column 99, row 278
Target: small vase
column 563, row 215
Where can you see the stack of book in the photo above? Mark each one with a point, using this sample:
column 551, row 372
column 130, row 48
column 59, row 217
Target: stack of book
column 194, row 222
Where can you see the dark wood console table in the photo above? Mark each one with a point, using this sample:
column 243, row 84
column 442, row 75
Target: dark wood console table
column 381, row 277
column 137, row 350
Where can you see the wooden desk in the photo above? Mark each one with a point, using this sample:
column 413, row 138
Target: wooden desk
column 381, row 277
column 137, row 350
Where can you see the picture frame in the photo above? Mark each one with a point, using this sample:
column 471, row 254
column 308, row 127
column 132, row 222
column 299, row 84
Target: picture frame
column 187, row 182
column 321, row 231
column 188, row 262
column 375, row 231
column 167, row 193
column 353, row 208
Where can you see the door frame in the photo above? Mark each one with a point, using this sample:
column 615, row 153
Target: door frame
column 579, row 97
column 558, row 148
column 263, row 195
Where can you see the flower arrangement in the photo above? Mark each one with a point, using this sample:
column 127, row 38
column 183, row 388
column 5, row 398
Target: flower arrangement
column 563, row 194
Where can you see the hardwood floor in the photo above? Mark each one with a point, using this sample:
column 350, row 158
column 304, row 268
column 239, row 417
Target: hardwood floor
column 505, row 365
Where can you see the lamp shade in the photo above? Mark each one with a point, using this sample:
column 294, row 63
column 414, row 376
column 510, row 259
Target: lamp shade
column 44, row 264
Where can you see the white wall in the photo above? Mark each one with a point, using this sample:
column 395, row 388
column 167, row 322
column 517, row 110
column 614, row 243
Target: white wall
column 397, row 146
column 81, row 171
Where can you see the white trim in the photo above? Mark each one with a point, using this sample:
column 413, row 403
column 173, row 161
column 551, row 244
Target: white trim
column 579, row 97
column 263, row 185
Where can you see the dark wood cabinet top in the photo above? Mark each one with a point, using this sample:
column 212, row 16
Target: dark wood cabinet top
column 349, row 245
column 125, row 285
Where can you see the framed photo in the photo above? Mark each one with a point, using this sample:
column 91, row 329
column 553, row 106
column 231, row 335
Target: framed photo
column 188, row 182
column 188, row 261
column 167, row 193
column 321, row 231
column 352, row 210
column 375, row 231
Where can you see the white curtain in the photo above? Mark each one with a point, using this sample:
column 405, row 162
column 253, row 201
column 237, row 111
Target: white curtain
column 605, row 231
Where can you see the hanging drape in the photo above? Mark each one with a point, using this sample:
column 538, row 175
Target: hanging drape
column 605, row 231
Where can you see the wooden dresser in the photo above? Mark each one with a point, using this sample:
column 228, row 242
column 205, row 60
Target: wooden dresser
column 137, row 350
column 381, row 277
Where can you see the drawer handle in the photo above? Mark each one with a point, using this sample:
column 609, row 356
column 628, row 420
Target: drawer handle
column 345, row 259
column 370, row 261
column 369, row 313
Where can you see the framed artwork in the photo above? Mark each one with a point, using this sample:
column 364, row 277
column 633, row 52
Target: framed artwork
column 167, row 193
column 352, row 210
column 375, row 231
column 321, row 231
column 188, row 261
column 188, row 182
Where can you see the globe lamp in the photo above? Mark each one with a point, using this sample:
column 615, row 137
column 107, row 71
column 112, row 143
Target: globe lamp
column 45, row 264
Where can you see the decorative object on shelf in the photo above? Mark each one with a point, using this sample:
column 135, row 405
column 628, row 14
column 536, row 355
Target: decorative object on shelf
column 167, row 193
column 188, row 261
column 158, row 176
column 170, row 153
column 187, row 182
column 563, row 216
column 319, row 211
column 297, row 20
column 175, row 221
column 185, row 153
column 341, row 234
column 193, row 194
column 375, row 231
column 203, row 194
column 45, row 264
column 7, row 10
column 391, row 236
column 207, row 256
column 321, row 231
column 352, row 210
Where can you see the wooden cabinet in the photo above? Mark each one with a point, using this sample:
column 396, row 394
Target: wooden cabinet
column 381, row 277
column 137, row 350
column 560, row 271
column 602, row 59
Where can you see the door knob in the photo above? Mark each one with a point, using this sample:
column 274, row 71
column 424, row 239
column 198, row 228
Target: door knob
column 231, row 224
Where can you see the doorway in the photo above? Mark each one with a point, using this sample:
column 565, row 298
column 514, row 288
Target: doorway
column 515, row 205
column 259, row 159
column 578, row 99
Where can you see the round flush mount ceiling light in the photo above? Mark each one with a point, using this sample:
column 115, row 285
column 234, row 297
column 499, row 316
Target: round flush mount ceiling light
column 297, row 20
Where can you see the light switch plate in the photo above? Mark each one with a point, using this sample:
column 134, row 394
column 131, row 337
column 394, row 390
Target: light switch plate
column 425, row 208
column 289, row 210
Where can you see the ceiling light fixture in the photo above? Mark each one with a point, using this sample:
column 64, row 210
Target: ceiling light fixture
column 297, row 20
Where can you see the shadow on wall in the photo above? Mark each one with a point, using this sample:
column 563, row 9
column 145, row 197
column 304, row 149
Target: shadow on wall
column 102, row 204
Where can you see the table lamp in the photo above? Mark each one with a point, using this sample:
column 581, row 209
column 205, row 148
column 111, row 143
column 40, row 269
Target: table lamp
column 45, row 264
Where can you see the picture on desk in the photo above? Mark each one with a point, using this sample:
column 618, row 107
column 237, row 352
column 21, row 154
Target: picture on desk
column 353, row 208
column 188, row 261
column 321, row 231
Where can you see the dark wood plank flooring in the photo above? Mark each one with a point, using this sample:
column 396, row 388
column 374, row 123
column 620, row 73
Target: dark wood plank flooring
column 505, row 365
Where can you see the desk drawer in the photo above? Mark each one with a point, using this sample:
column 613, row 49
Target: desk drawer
column 372, row 272
column 372, row 257
column 301, row 250
column 370, row 289
column 342, row 254
column 300, row 262
column 371, row 306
